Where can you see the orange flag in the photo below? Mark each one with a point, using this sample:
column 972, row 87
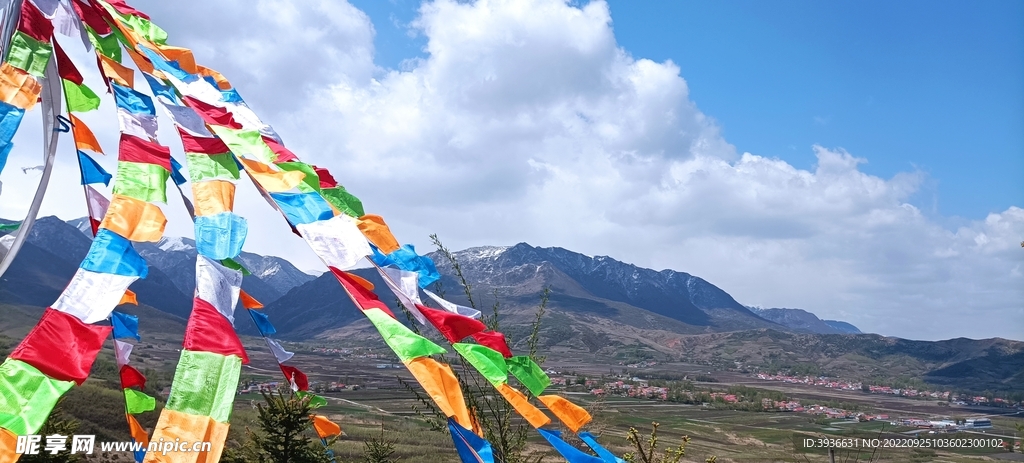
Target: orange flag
column 18, row 88
column 140, row 62
column 532, row 414
column 222, row 82
column 84, row 138
column 128, row 298
column 248, row 301
column 8, row 444
column 360, row 280
column 213, row 197
column 573, row 416
column 325, row 428
column 182, row 55
column 274, row 181
column 134, row 219
column 116, row 71
column 442, row 386
column 138, row 433
column 378, row 233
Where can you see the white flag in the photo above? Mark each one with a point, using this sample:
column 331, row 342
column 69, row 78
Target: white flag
column 122, row 350
column 218, row 285
column 404, row 285
column 140, row 125
column 337, row 241
column 91, row 296
column 279, row 353
column 453, row 308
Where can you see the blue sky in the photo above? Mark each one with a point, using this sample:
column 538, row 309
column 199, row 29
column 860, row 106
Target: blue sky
column 936, row 86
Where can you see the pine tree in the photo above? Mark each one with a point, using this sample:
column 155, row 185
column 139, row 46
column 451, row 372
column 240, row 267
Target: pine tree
column 283, row 435
column 62, row 425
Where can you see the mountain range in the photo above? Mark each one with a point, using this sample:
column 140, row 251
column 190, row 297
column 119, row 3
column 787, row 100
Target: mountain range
column 596, row 305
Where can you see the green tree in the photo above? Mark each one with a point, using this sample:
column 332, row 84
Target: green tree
column 379, row 449
column 284, row 434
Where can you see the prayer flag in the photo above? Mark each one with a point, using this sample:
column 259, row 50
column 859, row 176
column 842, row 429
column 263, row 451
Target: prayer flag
column 61, row 346
column 573, row 416
column 137, row 402
column 84, row 138
column 487, row 361
column 92, row 172
column 125, row 325
column 208, row 331
column 134, row 219
column 529, row 373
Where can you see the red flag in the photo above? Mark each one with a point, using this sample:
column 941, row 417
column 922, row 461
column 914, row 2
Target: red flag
column 135, row 149
column 65, row 68
column 494, row 340
column 364, row 298
column 283, row 154
column 123, row 8
column 212, row 114
column 91, row 17
column 202, row 145
column 453, row 326
column 130, row 377
column 296, row 377
column 61, row 346
column 209, row 331
column 326, row 179
column 34, row 24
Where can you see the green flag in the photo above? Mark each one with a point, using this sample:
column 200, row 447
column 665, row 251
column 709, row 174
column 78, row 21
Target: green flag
column 28, row 393
column 142, row 181
column 10, row 226
column 106, row 45
column 246, row 142
column 311, row 182
column 204, row 384
column 489, row 362
column 202, row 167
column 529, row 373
column 29, row 54
column 344, row 201
column 80, row 98
column 146, row 29
column 315, row 401
column 402, row 340
column 234, row 265
column 138, row 402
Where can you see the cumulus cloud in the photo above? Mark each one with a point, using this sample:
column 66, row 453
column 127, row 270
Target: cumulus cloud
column 526, row 121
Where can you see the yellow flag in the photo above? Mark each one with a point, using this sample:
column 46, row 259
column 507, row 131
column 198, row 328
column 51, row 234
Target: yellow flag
column 274, row 181
column 213, row 197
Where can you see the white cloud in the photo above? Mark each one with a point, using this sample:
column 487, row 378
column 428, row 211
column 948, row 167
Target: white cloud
column 527, row 122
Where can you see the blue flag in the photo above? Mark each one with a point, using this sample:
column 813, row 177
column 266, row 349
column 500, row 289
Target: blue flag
column 132, row 101
column 10, row 119
column 471, row 447
column 170, row 67
column 113, row 253
column 406, row 259
column 91, row 171
column 125, row 326
column 159, row 89
column 220, row 236
column 176, row 173
column 303, row 208
column 570, row 453
column 605, row 455
column 262, row 323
